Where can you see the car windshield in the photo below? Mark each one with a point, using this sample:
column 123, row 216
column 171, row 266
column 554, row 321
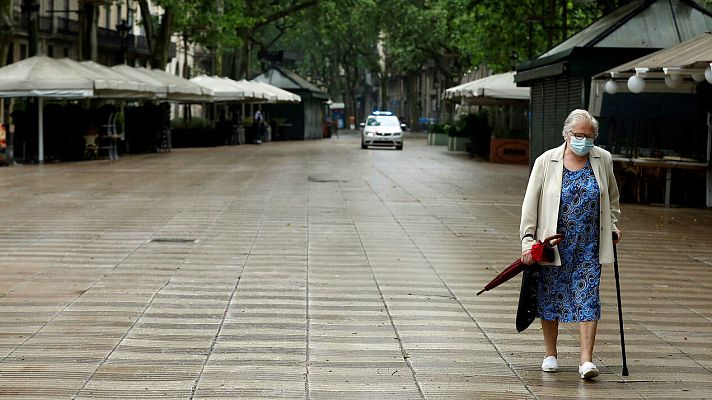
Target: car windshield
column 382, row 121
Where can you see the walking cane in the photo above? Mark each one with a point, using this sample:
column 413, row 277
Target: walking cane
column 620, row 311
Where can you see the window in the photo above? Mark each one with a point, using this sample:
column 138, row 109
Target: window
column 382, row 121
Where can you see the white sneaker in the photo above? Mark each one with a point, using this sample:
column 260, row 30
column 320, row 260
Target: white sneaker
column 550, row 364
column 588, row 370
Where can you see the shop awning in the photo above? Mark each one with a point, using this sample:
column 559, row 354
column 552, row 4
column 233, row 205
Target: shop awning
column 168, row 87
column 490, row 89
column 224, row 89
column 673, row 69
column 108, row 83
column 42, row 76
column 282, row 96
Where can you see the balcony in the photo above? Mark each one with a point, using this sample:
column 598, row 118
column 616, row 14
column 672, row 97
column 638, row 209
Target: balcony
column 67, row 26
column 107, row 38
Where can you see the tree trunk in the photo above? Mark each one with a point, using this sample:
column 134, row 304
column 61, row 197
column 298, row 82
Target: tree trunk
column 30, row 9
column 220, row 6
column 147, row 22
column 384, row 92
column 244, row 70
column 88, row 19
column 413, row 99
column 159, row 58
column 447, row 108
column 6, row 29
column 158, row 38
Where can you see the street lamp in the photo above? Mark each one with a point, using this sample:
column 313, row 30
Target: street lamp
column 124, row 28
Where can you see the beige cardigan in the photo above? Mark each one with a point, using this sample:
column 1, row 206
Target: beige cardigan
column 540, row 209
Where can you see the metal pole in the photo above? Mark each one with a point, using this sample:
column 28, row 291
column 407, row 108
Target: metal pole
column 620, row 310
column 40, row 113
column 709, row 161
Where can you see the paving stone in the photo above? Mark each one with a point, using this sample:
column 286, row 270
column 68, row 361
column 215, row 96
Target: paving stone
column 317, row 270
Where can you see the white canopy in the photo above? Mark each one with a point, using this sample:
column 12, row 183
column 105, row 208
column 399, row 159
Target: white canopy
column 283, row 96
column 261, row 95
column 108, row 83
column 166, row 86
column 41, row 76
column 489, row 89
column 188, row 90
column 131, row 73
column 225, row 89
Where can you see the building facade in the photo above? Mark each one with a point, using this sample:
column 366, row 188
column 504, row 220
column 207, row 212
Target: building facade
column 119, row 34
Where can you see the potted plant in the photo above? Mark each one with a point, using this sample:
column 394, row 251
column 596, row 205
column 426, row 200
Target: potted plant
column 437, row 134
column 459, row 137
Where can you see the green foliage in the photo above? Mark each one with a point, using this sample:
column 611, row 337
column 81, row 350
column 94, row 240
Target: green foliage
column 476, row 127
column 426, row 32
column 511, row 134
column 191, row 124
column 338, row 43
column 438, row 128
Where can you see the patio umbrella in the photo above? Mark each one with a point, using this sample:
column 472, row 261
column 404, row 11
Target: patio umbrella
column 541, row 251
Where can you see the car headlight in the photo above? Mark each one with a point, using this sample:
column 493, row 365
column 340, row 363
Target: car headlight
column 369, row 133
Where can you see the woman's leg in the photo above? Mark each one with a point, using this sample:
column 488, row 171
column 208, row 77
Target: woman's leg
column 551, row 333
column 587, row 336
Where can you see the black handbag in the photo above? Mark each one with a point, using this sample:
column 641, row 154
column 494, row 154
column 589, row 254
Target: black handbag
column 527, row 307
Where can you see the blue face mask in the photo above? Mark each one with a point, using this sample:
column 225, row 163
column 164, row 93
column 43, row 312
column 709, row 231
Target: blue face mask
column 581, row 146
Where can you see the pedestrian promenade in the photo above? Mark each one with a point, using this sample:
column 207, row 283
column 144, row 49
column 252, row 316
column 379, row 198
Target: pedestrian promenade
column 316, row 270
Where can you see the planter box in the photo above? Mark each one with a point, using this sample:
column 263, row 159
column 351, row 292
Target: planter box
column 437, row 139
column 457, row 143
column 509, row 151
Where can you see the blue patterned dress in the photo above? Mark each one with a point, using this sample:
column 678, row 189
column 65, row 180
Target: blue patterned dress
column 569, row 293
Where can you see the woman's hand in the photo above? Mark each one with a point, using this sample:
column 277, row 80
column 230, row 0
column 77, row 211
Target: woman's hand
column 618, row 235
column 527, row 257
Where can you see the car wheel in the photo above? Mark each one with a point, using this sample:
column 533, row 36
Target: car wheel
column 399, row 147
column 363, row 145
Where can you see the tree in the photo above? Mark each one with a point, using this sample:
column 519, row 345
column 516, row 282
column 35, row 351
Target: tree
column 6, row 28
column 430, row 35
column 338, row 41
column 255, row 16
column 88, row 29
column 160, row 30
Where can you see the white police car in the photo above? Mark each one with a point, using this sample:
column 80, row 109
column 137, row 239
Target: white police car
column 382, row 128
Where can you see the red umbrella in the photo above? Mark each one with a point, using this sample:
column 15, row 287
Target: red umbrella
column 541, row 251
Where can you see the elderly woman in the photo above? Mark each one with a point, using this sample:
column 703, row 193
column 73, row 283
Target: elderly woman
column 572, row 191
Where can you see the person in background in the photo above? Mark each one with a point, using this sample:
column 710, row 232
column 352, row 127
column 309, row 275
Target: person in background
column 259, row 127
column 572, row 190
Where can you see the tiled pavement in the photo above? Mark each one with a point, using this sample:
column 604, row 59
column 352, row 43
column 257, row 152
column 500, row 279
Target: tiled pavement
column 317, row 270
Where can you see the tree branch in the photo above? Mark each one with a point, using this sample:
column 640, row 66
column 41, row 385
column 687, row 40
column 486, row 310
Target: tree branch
column 283, row 13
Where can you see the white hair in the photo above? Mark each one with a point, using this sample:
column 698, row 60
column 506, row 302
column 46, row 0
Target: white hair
column 575, row 117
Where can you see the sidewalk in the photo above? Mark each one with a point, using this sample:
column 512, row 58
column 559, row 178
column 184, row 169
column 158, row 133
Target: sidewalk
column 317, row 270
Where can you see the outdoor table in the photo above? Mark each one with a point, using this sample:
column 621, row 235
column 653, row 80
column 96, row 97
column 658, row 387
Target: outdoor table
column 669, row 163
